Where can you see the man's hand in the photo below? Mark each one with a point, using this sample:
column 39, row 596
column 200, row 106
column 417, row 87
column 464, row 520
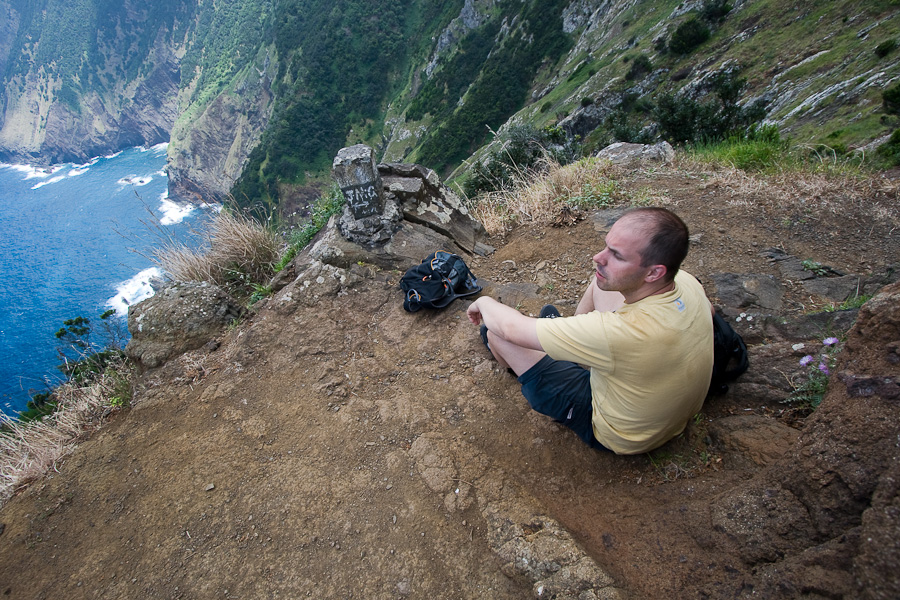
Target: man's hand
column 474, row 313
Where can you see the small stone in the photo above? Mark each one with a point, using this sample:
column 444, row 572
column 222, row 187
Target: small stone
column 210, row 487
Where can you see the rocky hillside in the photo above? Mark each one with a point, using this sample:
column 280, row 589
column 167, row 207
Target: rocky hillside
column 262, row 94
column 332, row 445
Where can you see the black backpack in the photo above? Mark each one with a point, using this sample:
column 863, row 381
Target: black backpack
column 729, row 349
column 437, row 281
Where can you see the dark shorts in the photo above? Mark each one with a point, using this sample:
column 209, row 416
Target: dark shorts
column 562, row 390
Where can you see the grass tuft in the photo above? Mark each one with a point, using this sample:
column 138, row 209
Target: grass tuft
column 542, row 195
column 29, row 449
column 238, row 252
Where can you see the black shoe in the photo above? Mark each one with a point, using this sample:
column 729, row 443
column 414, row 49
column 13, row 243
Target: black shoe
column 549, row 312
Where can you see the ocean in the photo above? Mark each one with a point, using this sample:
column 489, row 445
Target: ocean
column 76, row 240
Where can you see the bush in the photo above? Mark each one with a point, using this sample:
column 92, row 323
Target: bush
column 239, row 252
column 524, row 149
column 684, row 120
column 639, row 68
column 688, row 36
column 890, row 100
column 890, row 150
column 885, row 48
column 714, row 11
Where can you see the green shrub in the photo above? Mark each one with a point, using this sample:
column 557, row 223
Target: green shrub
column 523, row 149
column 890, row 100
column 885, row 48
column 639, row 68
column 688, row 36
column 684, row 120
column 714, row 11
column 889, row 151
column 586, row 101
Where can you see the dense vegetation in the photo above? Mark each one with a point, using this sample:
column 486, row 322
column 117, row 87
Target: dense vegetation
column 338, row 64
column 501, row 87
column 91, row 44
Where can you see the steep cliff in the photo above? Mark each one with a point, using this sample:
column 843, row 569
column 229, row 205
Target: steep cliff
column 257, row 96
column 81, row 83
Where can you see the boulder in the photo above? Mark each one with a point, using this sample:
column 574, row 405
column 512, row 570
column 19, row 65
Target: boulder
column 624, row 153
column 417, row 215
column 179, row 318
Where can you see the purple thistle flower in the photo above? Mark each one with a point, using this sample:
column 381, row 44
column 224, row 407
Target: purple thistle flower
column 824, row 368
column 830, row 341
column 805, row 360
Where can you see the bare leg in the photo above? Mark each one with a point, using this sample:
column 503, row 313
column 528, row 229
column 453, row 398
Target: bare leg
column 511, row 356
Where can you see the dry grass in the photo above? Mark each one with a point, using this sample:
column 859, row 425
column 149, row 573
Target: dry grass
column 29, row 450
column 805, row 189
column 237, row 250
column 541, row 195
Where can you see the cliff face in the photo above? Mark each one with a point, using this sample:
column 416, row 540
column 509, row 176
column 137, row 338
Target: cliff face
column 43, row 121
column 208, row 152
column 210, row 77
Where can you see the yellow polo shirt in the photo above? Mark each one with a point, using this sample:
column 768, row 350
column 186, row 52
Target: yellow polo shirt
column 650, row 362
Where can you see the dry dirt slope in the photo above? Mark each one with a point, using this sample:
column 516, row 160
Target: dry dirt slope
column 335, row 446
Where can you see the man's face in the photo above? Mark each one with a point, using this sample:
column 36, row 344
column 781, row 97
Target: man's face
column 618, row 266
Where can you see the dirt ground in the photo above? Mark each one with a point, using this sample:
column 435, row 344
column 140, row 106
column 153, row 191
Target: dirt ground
column 338, row 447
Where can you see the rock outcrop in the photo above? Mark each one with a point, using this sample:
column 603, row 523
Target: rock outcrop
column 419, row 215
column 179, row 318
column 819, row 513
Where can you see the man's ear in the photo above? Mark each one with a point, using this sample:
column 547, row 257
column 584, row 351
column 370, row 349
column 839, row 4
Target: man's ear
column 655, row 273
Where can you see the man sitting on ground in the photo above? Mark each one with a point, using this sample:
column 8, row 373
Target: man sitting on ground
column 643, row 331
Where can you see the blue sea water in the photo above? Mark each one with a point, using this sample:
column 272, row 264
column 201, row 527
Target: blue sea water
column 76, row 240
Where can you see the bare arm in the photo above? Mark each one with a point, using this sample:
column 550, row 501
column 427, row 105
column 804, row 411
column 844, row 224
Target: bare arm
column 505, row 322
column 596, row 299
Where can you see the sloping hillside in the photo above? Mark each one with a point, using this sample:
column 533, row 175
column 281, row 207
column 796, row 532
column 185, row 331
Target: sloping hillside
column 333, row 445
column 262, row 94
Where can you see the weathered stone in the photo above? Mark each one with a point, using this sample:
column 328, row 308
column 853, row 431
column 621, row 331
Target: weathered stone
column 179, row 318
column 408, row 245
column 624, row 153
column 354, row 170
column 372, row 230
column 748, row 290
column 425, row 200
column 836, row 289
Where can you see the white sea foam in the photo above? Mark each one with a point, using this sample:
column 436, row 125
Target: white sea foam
column 113, row 155
column 133, row 291
column 160, row 148
column 173, row 212
column 54, row 179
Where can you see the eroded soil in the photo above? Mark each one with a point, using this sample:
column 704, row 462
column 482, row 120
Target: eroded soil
column 338, row 447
